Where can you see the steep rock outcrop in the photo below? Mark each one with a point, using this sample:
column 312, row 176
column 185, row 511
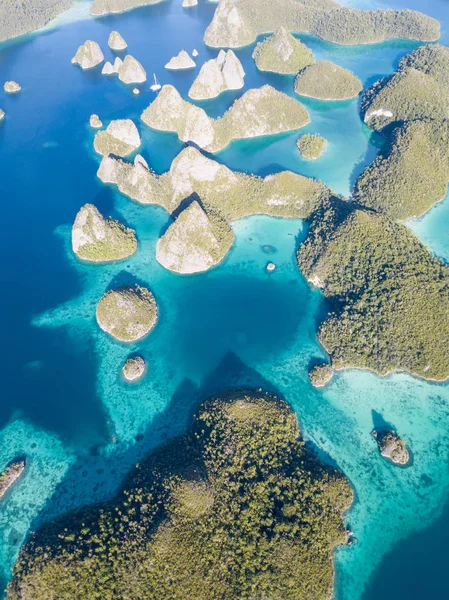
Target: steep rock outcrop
column 180, row 62
column 131, row 71
column 218, row 75
column 116, row 41
column 88, row 55
column 120, row 138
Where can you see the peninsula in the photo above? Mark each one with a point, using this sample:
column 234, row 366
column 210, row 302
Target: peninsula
column 282, row 53
column 238, row 23
column 259, row 112
column 240, row 486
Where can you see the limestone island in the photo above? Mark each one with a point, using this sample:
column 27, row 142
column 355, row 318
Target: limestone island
column 388, row 294
column 88, row 55
column 131, row 71
column 116, row 41
column 19, row 18
column 2, row 114
column 225, row 196
column 282, row 53
column 195, row 53
column 12, row 87
column 120, row 138
column 320, row 375
column 96, row 239
column 180, row 62
column 411, row 172
column 95, row 122
column 325, row 80
column 189, row 3
column 311, row 146
column 10, row 475
column 134, row 368
column 218, row 75
column 127, row 313
column 112, row 69
column 194, row 242
column 237, row 24
column 259, row 112
column 165, row 533
column 107, row 7
column 392, row 447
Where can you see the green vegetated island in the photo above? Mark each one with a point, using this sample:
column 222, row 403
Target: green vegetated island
column 238, row 23
column 20, row 17
column 412, row 172
column 236, row 508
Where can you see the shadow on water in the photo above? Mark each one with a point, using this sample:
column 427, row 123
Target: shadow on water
column 379, row 423
column 89, row 479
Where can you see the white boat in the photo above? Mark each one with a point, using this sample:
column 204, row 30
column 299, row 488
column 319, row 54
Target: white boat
column 156, row 85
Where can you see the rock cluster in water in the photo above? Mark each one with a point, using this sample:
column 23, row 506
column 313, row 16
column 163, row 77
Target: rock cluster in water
column 180, row 61
column 218, row 75
column 97, row 239
column 112, row 69
column 282, row 53
column 194, row 242
column 259, row 112
column 88, row 55
column 12, row 87
column 127, row 313
column 131, row 71
column 120, row 138
column 95, row 122
column 325, row 80
column 10, row 475
column 134, row 368
column 392, row 447
column 116, row 41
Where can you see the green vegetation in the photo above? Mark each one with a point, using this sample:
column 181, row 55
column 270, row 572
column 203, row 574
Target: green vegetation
column 97, row 239
column 236, row 508
column 127, row 313
column 389, row 295
column 259, row 112
column 325, row 80
column 198, row 240
column 410, row 174
column 282, row 53
column 234, row 195
column 412, row 171
column 320, row 375
column 311, row 146
column 18, row 18
column 120, row 138
column 392, row 446
column 10, row 475
column 239, row 23
column 418, row 90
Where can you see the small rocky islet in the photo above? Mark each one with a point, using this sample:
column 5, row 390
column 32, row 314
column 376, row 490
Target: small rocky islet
column 11, row 474
column 392, row 446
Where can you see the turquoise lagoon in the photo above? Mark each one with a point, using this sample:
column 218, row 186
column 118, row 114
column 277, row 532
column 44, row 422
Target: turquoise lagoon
column 64, row 404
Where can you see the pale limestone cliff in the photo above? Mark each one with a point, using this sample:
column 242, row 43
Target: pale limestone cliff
column 88, row 55
column 120, row 138
column 131, row 71
column 95, row 122
column 218, row 75
column 97, row 239
column 12, row 87
column 134, row 368
column 282, row 53
column 107, row 7
column 116, row 41
column 259, row 112
column 181, row 61
column 193, row 243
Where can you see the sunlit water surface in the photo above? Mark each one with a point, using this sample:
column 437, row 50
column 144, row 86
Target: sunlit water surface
column 64, row 404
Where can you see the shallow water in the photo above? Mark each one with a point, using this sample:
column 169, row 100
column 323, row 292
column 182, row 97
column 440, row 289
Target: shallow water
column 64, row 403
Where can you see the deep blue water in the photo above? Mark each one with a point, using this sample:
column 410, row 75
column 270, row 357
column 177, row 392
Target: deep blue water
column 63, row 401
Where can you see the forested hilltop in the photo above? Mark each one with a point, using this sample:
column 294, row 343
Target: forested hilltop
column 236, row 508
column 20, row 17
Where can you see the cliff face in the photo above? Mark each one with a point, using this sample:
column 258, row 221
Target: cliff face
column 18, row 18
